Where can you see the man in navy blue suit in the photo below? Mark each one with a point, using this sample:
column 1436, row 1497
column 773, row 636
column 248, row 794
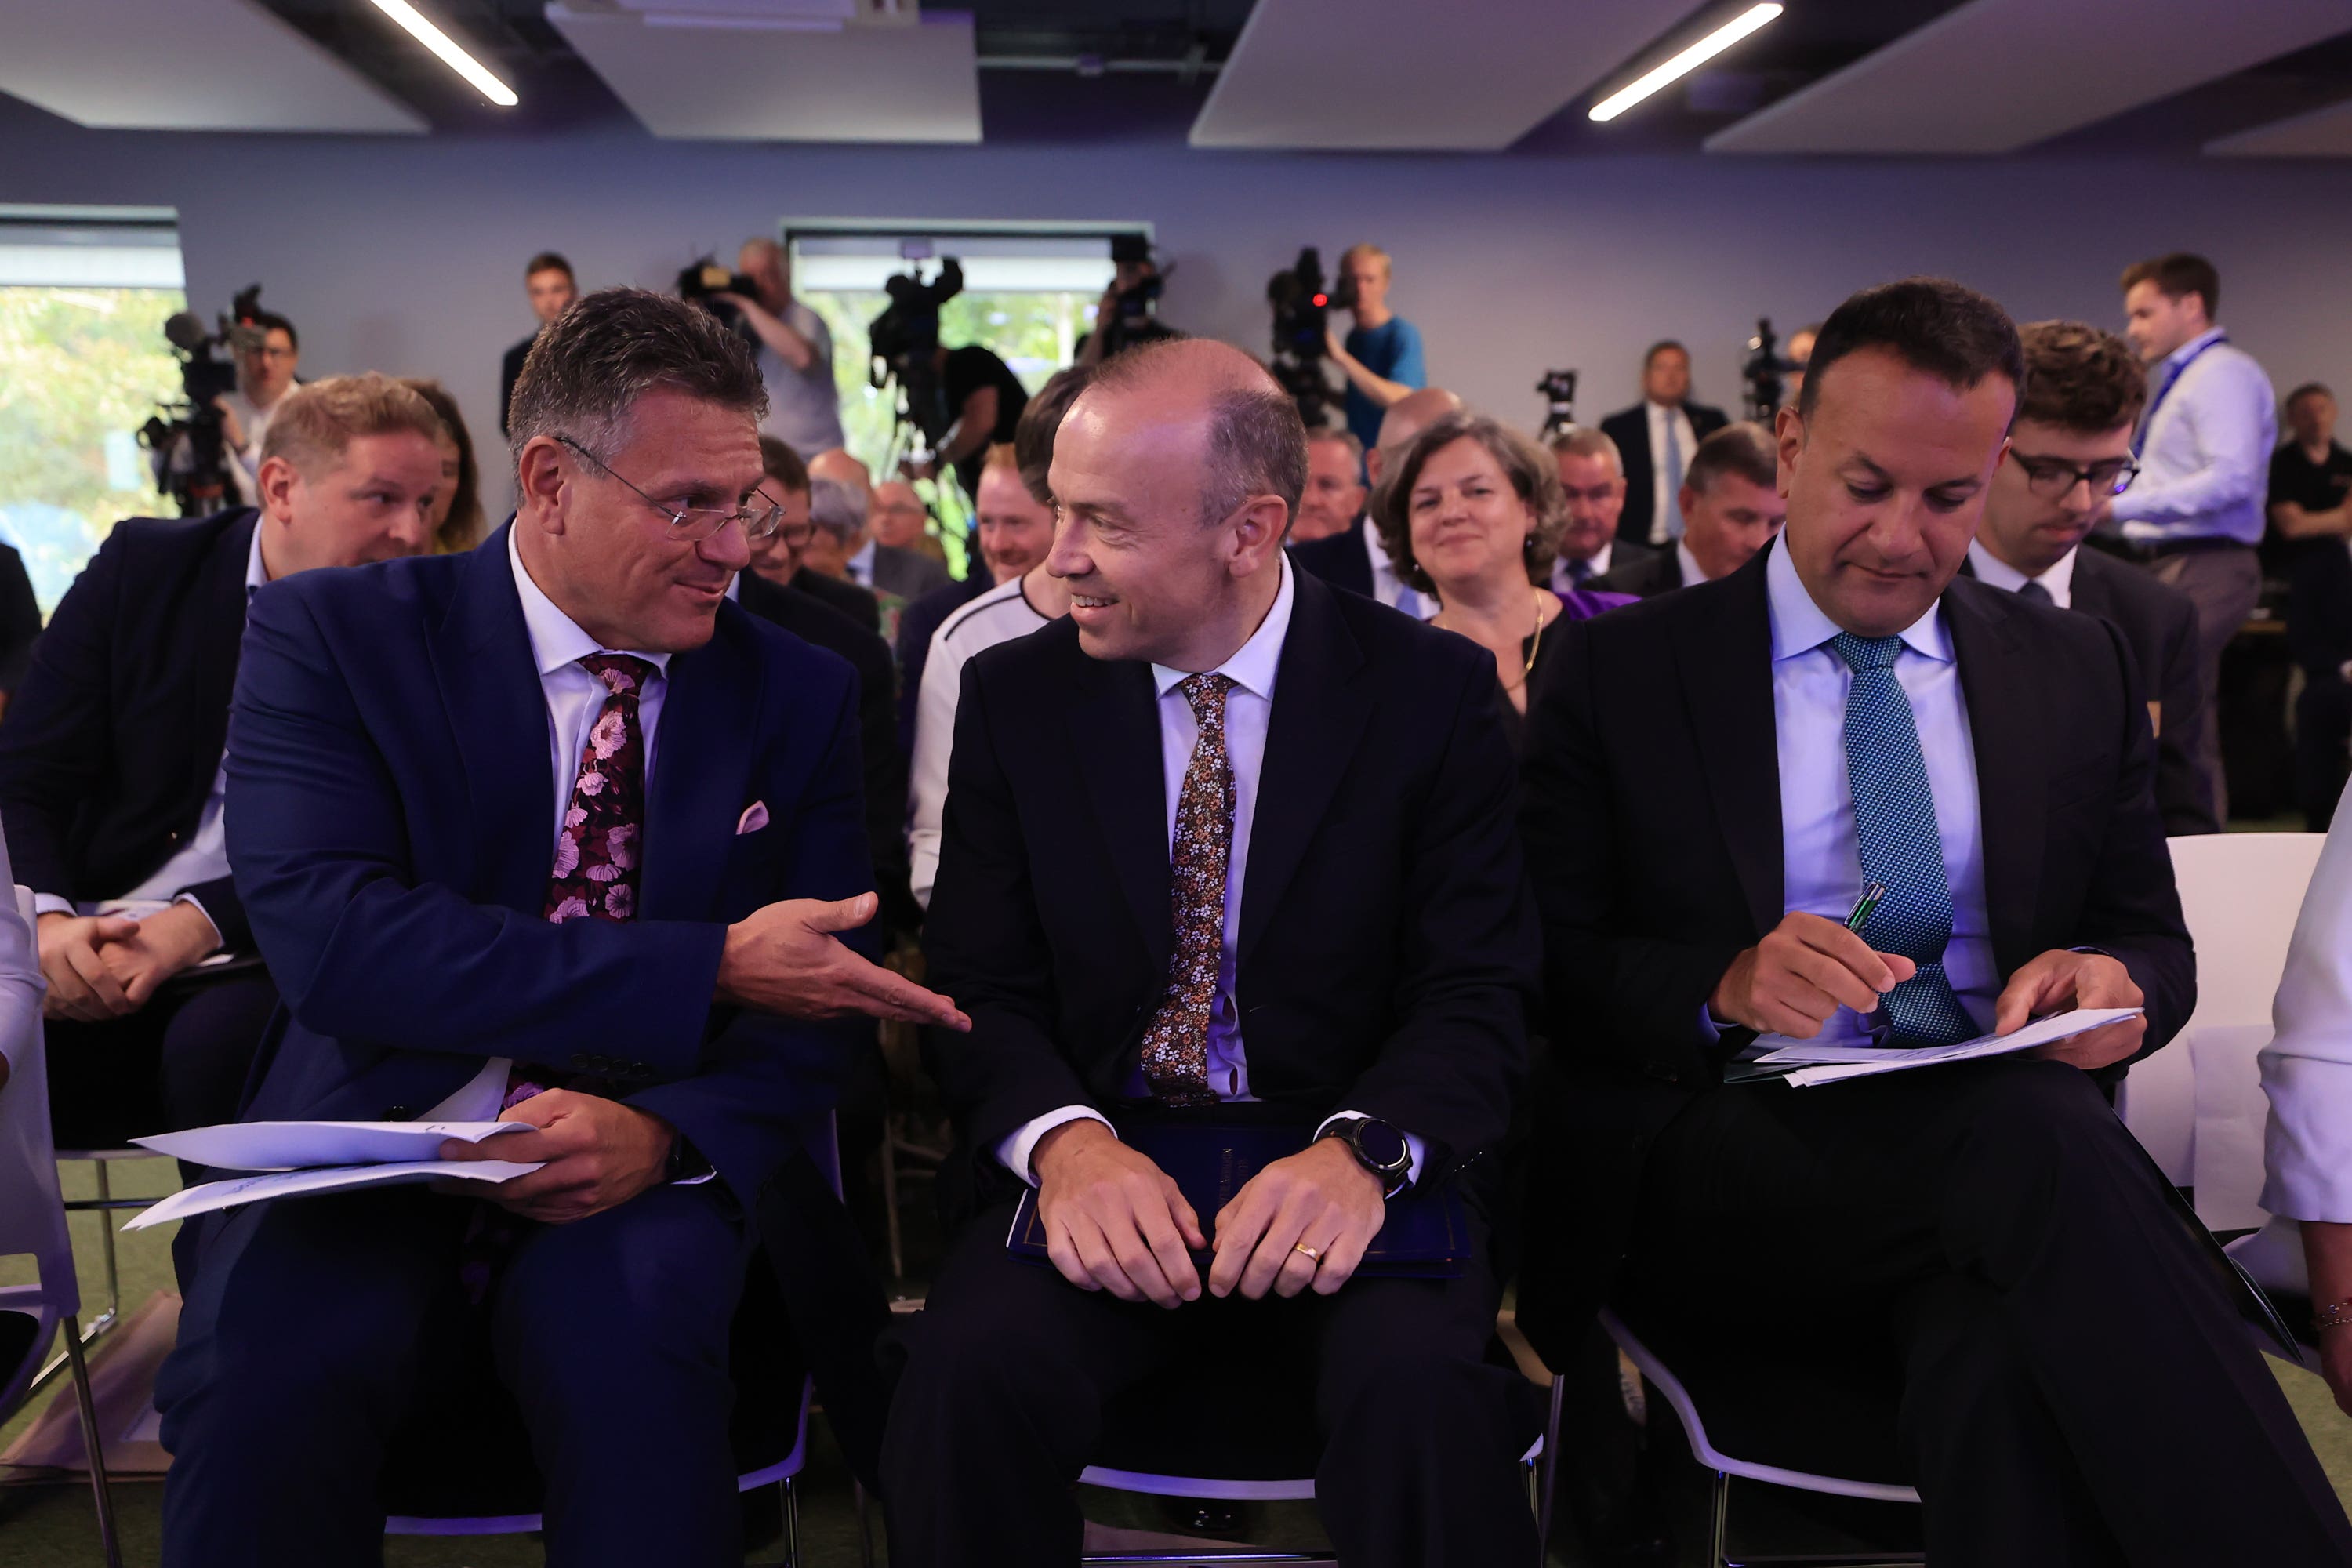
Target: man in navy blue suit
column 554, row 830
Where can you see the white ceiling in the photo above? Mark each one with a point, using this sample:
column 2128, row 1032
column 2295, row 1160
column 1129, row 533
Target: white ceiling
column 1408, row 75
column 2321, row 133
column 184, row 64
column 1995, row 76
column 782, row 73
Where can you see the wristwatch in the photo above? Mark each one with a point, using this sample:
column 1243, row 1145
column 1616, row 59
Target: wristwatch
column 1378, row 1147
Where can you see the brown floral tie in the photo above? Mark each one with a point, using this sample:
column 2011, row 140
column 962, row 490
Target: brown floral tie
column 1176, row 1045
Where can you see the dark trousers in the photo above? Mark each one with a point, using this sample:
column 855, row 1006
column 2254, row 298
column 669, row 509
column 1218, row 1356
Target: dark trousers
column 2322, row 727
column 2224, row 584
column 178, row 1062
column 2078, row 1387
column 317, row 1328
column 1009, row 1368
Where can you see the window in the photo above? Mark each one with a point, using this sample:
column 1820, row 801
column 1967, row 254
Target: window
column 84, row 293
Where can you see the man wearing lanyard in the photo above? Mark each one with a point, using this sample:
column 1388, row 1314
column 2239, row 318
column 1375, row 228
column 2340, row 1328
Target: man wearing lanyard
column 2204, row 448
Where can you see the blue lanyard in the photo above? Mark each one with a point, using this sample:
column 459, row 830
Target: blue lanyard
column 2163, row 389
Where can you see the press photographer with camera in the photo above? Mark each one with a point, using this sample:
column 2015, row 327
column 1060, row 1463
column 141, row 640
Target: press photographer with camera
column 265, row 374
column 795, row 350
column 1381, row 356
column 1127, row 314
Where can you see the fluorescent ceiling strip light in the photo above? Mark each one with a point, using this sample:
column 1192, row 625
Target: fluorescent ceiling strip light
column 1682, row 65
column 456, row 58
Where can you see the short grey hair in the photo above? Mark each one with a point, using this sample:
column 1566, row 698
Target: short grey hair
column 835, row 508
column 589, row 368
column 1338, row 437
column 1586, row 441
column 1257, row 442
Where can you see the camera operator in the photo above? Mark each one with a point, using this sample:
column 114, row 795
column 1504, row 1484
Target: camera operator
column 795, row 352
column 984, row 401
column 547, row 279
column 1124, row 316
column 1382, row 358
column 265, row 374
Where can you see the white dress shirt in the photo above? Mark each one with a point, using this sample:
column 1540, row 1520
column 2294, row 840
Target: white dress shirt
column 1388, row 587
column 1662, row 494
column 1562, row 579
column 2058, row 582
column 1249, row 710
column 1821, row 855
column 1693, row 572
column 2307, row 1065
column 2205, row 465
column 204, row 856
column 998, row 616
column 860, row 566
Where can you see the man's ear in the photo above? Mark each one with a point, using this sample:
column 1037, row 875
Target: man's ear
column 1788, row 431
column 275, row 485
column 541, row 478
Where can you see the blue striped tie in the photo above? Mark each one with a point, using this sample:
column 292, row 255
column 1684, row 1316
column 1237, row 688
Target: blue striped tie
column 1894, row 827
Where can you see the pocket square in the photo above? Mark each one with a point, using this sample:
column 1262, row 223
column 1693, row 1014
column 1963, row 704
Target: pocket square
column 755, row 817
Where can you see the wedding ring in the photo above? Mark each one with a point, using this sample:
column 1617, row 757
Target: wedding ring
column 1312, row 1256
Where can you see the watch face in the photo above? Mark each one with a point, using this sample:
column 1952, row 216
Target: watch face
column 1382, row 1145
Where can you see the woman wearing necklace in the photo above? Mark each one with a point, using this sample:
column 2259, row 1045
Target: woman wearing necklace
column 1472, row 514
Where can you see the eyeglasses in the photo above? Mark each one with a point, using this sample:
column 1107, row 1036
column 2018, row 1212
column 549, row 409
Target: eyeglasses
column 2054, row 479
column 696, row 523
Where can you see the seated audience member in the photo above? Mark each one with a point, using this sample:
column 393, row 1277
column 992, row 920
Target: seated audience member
column 2069, row 452
column 1657, row 439
column 265, row 374
column 113, row 783
column 1021, row 527
column 1730, row 506
column 1593, row 483
column 1334, row 501
column 457, row 522
column 547, row 279
column 813, row 620
column 899, row 519
column 779, row 557
column 1017, row 552
column 794, row 351
column 1166, row 888
column 2311, row 518
column 1357, row 560
column 1381, row 357
column 1711, row 778
column 550, row 826
column 1470, row 515
column 861, row 557
column 839, row 547
column 2307, row 1074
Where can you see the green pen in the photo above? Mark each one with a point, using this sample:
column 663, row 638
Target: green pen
column 1871, row 893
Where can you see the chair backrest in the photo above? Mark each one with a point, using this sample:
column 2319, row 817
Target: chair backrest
column 2197, row 1104
column 32, row 1209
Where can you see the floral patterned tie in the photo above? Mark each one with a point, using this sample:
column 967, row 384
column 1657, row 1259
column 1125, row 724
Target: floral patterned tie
column 1176, row 1045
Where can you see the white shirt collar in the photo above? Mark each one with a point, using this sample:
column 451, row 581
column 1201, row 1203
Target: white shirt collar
column 2058, row 582
column 1693, row 572
column 1252, row 666
column 2181, row 355
column 860, row 566
column 556, row 639
column 257, row 575
column 1799, row 626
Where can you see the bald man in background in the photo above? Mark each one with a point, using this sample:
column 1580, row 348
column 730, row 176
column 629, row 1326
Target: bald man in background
column 796, row 350
column 1354, row 560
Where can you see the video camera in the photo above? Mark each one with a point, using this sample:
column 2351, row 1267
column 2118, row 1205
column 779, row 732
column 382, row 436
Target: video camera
column 1762, row 374
column 1558, row 389
column 904, row 341
column 1302, row 316
column 188, row 449
column 702, row 281
column 1131, row 319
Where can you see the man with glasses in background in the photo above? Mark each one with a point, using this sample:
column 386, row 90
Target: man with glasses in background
column 265, row 374
column 546, row 831
column 2069, row 454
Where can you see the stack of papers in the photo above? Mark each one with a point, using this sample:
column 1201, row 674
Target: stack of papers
column 301, row 1158
column 1818, row 1064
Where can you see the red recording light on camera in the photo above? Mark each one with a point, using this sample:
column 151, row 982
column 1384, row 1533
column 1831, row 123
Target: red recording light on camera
column 1321, row 300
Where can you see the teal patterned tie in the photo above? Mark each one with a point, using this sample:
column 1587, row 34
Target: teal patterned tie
column 1894, row 826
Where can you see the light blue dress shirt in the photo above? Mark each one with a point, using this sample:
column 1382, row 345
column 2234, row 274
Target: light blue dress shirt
column 1822, row 858
column 2205, row 465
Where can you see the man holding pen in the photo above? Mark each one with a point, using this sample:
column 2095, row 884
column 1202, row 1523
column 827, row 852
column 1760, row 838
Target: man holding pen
column 1843, row 711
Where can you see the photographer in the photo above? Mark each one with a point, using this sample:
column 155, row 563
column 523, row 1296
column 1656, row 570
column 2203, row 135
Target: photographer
column 984, row 400
column 1124, row 317
column 1382, row 358
column 265, row 374
column 795, row 352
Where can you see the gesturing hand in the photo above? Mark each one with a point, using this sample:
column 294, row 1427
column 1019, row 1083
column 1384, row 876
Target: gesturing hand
column 1803, row 971
column 784, row 958
column 600, row 1153
column 2049, row 983
column 1115, row 1221
column 1321, row 1198
column 81, row 988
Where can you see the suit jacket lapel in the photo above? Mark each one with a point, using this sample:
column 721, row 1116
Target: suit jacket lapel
column 1115, row 731
column 1726, row 664
column 1320, row 711
column 219, row 624
column 2008, row 730
column 702, row 771
column 489, row 687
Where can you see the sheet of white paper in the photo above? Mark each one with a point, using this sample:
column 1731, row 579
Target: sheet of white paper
column 296, row 1145
column 479, row 1099
column 1835, row 1063
column 211, row 1195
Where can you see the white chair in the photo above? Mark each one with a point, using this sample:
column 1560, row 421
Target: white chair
column 33, row 1218
column 2196, row 1106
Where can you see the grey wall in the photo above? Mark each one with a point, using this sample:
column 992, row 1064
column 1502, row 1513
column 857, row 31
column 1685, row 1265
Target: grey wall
column 402, row 255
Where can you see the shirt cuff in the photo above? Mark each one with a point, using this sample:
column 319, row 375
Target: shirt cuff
column 1413, row 1143
column 1015, row 1150
column 50, row 904
column 197, row 904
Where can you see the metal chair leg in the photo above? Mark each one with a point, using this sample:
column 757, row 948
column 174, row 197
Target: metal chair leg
column 1719, row 1533
column 1550, row 1472
column 94, row 1447
column 792, row 1524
